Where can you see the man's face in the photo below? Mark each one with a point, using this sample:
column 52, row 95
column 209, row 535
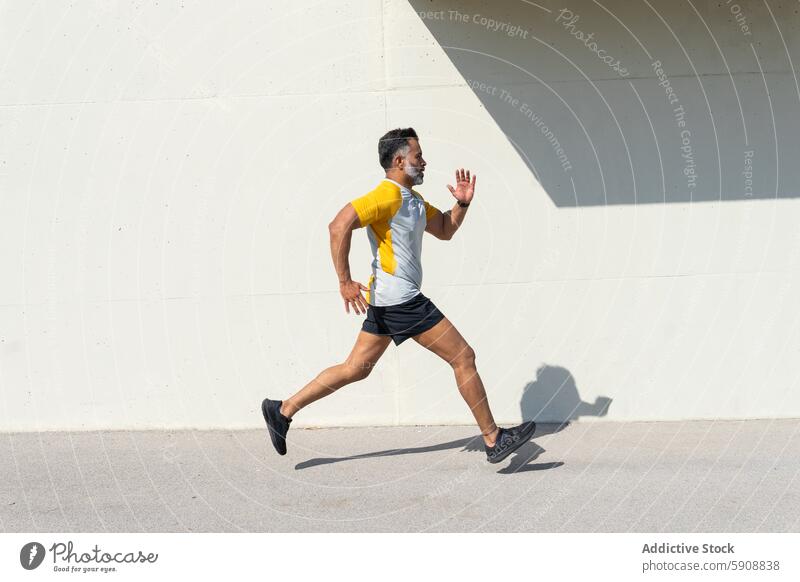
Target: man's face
column 413, row 163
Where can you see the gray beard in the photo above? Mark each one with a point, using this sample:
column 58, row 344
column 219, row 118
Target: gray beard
column 414, row 174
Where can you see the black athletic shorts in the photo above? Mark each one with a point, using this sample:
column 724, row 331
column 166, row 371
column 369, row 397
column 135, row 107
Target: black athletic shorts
column 403, row 321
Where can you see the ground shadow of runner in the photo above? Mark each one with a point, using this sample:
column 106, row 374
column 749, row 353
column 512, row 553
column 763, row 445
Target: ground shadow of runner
column 552, row 395
column 467, row 443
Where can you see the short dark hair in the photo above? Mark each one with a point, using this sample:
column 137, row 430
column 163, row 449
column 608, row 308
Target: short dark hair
column 391, row 142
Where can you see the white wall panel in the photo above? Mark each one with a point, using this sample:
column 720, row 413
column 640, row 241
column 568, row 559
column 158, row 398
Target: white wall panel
column 168, row 171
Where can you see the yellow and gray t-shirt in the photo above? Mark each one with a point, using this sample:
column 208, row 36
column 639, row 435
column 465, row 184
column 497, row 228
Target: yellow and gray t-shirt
column 395, row 218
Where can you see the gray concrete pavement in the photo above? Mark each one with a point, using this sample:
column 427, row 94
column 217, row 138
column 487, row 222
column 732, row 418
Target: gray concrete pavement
column 699, row 476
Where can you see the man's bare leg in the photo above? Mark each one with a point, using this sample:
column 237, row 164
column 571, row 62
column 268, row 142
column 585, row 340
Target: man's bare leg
column 358, row 365
column 444, row 340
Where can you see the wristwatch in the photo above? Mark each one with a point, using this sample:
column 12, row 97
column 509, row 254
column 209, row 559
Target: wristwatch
column 463, row 204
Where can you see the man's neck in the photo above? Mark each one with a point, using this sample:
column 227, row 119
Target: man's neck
column 401, row 178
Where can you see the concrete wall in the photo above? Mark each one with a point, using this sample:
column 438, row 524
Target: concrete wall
column 167, row 172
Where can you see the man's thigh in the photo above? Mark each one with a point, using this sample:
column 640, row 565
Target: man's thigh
column 444, row 340
column 367, row 350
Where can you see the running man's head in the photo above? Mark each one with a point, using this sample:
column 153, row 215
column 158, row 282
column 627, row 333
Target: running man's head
column 400, row 155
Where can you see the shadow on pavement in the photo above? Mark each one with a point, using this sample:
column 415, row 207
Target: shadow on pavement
column 469, row 444
column 552, row 397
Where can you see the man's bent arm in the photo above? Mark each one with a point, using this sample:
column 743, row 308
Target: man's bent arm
column 341, row 229
column 452, row 219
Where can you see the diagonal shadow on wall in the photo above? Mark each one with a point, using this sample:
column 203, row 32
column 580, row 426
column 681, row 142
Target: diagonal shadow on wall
column 678, row 109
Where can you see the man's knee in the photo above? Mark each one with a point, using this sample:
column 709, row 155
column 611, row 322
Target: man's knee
column 358, row 370
column 464, row 359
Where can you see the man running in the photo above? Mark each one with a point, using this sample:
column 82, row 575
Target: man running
column 396, row 216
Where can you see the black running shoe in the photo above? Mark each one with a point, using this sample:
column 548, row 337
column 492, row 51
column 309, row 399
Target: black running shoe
column 509, row 440
column 277, row 424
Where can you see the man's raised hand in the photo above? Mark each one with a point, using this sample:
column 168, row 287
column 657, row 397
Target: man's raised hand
column 465, row 187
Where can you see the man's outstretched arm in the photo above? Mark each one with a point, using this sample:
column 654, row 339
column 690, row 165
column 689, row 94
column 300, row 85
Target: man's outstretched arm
column 341, row 232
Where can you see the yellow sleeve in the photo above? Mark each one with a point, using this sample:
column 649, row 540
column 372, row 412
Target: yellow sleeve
column 378, row 205
column 430, row 209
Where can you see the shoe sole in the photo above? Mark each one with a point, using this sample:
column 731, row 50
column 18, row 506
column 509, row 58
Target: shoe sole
column 526, row 436
column 273, row 434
